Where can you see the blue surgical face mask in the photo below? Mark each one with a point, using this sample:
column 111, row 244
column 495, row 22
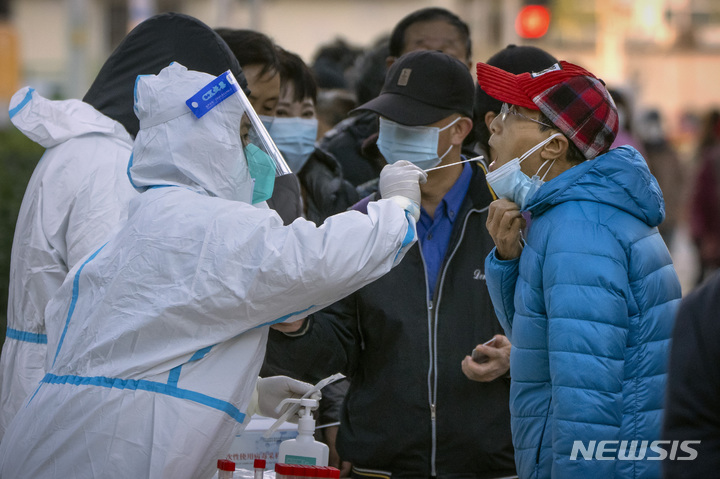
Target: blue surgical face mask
column 262, row 170
column 511, row 183
column 416, row 144
column 295, row 138
column 267, row 121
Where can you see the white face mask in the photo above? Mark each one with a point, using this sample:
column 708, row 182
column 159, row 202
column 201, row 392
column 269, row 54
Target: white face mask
column 511, row 183
column 416, row 144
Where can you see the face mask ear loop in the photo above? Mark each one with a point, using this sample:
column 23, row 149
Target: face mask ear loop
column 445, row 154
column 450, row 124
column 445, row 128
column 537, row 147
column 548, row 170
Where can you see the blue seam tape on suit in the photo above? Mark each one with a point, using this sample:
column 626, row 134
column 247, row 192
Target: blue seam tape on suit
column 76, row 287
column 26, row 336
column 21, row 105
column 409, row 235
column 151, row 386
column 174, row 375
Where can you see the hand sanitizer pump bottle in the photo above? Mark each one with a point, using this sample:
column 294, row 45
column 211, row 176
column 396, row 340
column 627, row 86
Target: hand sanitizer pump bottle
column 304, row 449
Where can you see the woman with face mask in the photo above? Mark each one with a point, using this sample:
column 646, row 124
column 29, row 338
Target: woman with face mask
column 258, row 57
column 294, row 130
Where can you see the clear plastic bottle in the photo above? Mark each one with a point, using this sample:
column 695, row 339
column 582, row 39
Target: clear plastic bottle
column 226, row 469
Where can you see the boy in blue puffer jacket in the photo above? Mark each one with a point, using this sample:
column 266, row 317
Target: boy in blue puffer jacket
column 580, row 278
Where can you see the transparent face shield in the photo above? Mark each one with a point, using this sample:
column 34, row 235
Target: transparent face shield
column 253, row 132
column 263, row 157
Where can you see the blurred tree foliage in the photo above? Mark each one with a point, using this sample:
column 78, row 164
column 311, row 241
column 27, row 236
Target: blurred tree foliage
column 18, row 157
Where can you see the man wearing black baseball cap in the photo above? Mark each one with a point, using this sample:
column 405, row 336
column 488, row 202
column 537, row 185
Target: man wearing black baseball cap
column 353, row 141
column 410, row 411
column 588, row 295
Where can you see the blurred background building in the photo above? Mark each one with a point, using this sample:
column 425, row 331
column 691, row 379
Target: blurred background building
column 664, row 53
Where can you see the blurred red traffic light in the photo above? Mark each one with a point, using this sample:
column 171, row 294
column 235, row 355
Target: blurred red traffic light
column 533, row 21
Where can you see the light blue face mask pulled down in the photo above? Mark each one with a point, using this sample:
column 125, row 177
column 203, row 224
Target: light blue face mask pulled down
column 511, row 183
column 295, row 138
column 262, row 169
column 416, row 144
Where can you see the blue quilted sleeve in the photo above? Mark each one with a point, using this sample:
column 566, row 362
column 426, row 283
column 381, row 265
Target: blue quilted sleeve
column 501, row 277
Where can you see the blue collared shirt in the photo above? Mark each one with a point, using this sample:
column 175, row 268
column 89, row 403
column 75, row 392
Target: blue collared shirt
column 434, row 233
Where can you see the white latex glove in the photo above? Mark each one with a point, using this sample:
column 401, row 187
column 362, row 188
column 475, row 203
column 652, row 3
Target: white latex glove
column 270, row 392
column 401, row 182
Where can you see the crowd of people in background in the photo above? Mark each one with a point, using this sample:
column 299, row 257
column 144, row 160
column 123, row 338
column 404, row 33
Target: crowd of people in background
column 681, row 157
column 488, row 275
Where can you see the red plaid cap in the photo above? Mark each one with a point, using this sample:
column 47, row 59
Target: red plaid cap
column 572, row 98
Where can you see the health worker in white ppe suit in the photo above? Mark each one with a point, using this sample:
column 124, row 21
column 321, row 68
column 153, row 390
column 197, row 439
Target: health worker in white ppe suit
column 157, row 337
column 79, row 191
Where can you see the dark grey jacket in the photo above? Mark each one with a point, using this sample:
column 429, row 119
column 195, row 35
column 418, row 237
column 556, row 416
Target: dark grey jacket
column 410, row 410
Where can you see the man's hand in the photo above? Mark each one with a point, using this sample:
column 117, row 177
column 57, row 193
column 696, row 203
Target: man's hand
column 498, row 364
column 289, row 328
column 504, row 224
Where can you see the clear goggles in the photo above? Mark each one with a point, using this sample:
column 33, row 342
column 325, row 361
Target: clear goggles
column 252, row 130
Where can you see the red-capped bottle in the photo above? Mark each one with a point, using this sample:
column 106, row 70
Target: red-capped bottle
column 226, row 469
column 259, row 468
column 284, row 471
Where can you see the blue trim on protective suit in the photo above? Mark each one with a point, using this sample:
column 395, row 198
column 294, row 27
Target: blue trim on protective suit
column 151, row 386
column 21, row 105
column 135, row 97
column 76, row 286
column 174, row 375
column 130, row 163
column 409, row 235
column 200, row 353
column 26, row 336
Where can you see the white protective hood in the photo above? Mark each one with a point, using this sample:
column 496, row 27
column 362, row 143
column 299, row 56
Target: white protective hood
column 166, row 122
column 49, row 123
column 77, row 194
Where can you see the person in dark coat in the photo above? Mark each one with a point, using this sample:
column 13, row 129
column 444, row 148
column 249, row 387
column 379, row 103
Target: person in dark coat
column 692, row 411
column 353, row 141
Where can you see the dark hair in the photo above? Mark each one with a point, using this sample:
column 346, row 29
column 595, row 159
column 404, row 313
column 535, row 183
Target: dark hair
column 333, row 105
column 622, row 102
column 371, row 69
column 574, row 156
column 710, row 128
column 174, row 37
column 252, row 48
column 397, row 37
column 332, row 62
column 293, row 70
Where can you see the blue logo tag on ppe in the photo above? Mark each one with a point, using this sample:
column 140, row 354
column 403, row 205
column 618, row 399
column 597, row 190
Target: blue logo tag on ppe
column 212, row 94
